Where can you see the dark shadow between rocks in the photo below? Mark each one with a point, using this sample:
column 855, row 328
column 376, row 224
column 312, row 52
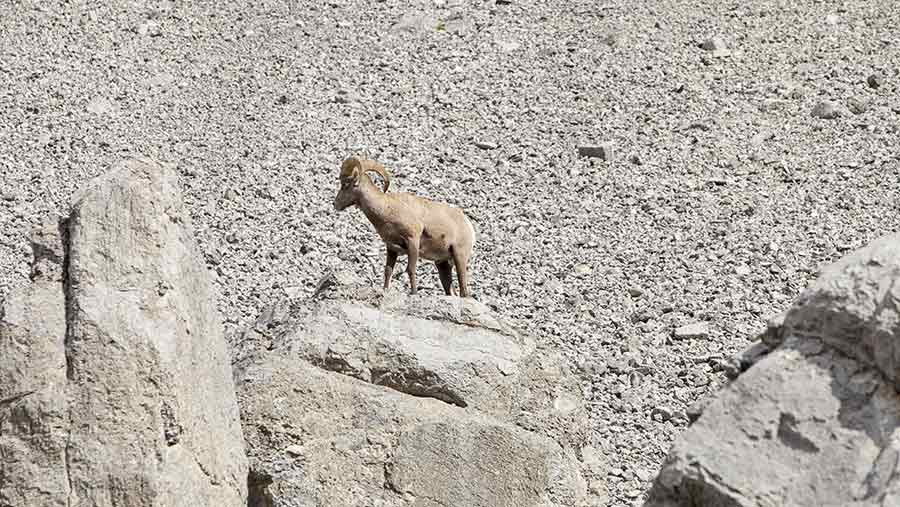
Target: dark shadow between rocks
column 258, row 494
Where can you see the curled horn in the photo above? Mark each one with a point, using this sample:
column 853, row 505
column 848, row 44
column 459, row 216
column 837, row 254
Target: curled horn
column 368, row 165
column 365, row 165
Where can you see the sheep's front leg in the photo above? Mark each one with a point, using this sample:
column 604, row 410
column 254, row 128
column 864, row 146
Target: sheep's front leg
column 412, row 252
column 389, row 267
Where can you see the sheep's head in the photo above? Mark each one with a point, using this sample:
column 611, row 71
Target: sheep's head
column 353, row 178
column 349, row 191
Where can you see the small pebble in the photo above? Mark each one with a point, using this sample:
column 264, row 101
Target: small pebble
column 698, row 330
column 602, row 151
column 100, row 105
column 857, row 105
column 643, row 474
column 214, row 257
column 149, row 28
column 874, row 80
column 611, row 39
column 713, row 44
column 508, row 47
column 827, row 110
column 664, row 412
column 695, row 410
column 762, row 137
column 583, row 270
column 486, row 145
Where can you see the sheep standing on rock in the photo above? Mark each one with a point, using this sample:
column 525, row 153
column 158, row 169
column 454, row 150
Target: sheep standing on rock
column 409, row 225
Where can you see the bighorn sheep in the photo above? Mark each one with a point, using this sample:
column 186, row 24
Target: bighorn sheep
column 409, row 225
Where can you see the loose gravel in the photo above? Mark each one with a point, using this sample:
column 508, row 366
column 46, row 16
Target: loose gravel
column 717, row 195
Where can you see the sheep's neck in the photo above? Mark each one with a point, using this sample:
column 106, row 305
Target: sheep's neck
column 373, row 204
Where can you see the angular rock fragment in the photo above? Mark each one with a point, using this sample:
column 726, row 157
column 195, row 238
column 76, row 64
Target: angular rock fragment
column 826, row 110
column 602, row 151
column 761, row 137
column 486, row 145
column 874, row 80
column 857, row 105
column 713, row 44
column 150, row 28
column 696, row 330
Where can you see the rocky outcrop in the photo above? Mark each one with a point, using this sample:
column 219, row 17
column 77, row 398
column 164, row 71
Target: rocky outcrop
column 816, row 421
column 115, row 382
column 355, row 398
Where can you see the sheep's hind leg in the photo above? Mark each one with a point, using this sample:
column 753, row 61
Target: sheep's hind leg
column 389, row 267
column 461, row 260
column 445, row 270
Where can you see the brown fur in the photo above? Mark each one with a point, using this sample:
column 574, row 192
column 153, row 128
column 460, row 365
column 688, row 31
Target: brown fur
column 409, row 225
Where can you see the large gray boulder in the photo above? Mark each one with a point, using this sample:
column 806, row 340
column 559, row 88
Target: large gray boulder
column 447, row 348
column 815, row 422
column 406, row 400
column 116, row 381
column 321, row 439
